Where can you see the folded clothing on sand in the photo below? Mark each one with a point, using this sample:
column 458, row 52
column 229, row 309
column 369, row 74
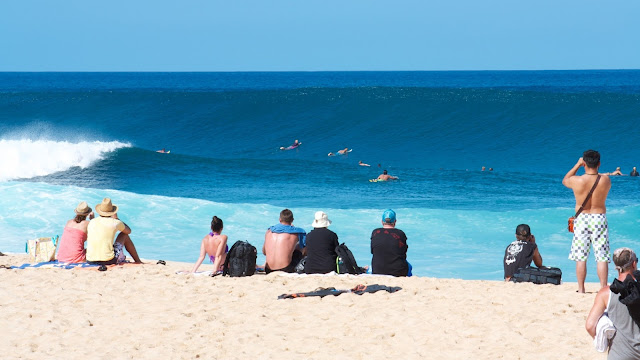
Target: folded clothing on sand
column 359, row 290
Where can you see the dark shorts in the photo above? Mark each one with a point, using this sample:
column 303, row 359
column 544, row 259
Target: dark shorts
column 118, row 256
column 291, row 268
column 108, row 262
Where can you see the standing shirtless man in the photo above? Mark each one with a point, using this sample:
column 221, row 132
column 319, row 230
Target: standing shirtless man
column 590, row 227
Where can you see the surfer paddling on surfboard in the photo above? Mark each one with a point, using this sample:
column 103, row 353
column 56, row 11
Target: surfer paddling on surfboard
column 292, row 146
column 163, row 151
column 384, row 177
column 341, row 152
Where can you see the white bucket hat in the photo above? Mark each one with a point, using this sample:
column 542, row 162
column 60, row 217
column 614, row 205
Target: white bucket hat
column 321, row 220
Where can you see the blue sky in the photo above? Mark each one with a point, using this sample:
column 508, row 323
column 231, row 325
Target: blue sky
column 299, row 35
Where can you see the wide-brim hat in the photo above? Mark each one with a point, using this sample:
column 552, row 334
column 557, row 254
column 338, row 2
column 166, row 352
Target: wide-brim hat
column 321, row 220
column 83, row 209
column 106, row 208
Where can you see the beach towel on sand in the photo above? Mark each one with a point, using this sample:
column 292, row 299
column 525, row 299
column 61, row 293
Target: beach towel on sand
column 302, row 235
column 55, row 264
column 359, row 290
column 61, row 265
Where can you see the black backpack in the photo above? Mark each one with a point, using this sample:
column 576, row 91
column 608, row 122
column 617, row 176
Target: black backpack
column 345, row 262
column 541, row 275
column 241, row 260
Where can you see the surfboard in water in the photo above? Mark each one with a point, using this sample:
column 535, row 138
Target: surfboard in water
column 290, row 147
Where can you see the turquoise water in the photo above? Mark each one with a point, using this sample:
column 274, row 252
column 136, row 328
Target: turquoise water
column 70, row 137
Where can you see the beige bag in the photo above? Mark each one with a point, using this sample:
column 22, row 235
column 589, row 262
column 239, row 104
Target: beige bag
column 42, row 249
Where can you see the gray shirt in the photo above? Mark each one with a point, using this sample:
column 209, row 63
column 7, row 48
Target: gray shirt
column 625, row 345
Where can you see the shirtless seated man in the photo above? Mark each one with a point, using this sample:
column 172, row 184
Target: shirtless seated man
column 284, row 245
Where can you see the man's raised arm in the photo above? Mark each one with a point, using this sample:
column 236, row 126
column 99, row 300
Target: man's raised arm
column 567, row 178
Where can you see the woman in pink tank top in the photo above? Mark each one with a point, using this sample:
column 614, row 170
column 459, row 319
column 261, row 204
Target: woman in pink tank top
column 71, row 247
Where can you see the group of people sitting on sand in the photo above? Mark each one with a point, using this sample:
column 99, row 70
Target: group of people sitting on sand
column 103, row 246
column 284, row 246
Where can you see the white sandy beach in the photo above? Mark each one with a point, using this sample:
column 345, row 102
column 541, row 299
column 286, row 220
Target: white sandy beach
column 149, row 312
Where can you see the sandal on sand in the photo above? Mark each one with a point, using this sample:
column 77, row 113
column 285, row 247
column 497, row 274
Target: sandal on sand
column 102, row 268
column 161, row 262
column 5, row 266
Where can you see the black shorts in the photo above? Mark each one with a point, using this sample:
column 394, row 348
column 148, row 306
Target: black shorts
column 291, row 268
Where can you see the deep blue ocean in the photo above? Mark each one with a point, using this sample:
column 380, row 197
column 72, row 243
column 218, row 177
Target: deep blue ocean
column 68, row 137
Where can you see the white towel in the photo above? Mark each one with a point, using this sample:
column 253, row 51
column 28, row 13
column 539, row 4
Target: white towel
column 604, row 332
column 199, row 273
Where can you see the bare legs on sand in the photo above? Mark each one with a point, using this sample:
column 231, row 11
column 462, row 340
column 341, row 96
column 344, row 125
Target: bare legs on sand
column 125, row 240
column 581, row 273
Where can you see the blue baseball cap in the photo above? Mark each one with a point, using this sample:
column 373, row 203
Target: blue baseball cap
column 389, row 216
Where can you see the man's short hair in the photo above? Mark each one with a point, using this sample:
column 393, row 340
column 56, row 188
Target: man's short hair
column 523, row 231
column 591, row 158
column 286, row 216
column 624, row 258
column 384, row 172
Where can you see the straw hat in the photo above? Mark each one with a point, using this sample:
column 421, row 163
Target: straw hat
column 83, row 209
column 321, row 220
column 106, row 208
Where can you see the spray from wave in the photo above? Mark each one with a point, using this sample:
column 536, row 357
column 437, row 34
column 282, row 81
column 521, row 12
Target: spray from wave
column 23, row 159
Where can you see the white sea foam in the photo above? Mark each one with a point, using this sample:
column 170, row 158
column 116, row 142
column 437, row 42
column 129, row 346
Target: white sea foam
column 23, row 159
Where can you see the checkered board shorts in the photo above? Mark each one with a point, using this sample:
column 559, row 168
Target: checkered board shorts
column 590, row 229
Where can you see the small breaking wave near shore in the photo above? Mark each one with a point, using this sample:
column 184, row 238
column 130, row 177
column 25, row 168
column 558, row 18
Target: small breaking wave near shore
column 24, row 159
column 443, row 243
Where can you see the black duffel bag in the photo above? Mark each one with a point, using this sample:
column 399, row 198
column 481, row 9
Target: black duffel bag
column 541, row 275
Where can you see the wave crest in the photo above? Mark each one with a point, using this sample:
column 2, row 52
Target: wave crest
column 23, row 159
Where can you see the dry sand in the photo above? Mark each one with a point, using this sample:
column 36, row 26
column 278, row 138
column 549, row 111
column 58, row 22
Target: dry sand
column 149, row 312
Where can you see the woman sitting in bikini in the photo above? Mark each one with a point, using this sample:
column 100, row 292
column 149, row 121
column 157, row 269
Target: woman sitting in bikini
column 213, row 244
